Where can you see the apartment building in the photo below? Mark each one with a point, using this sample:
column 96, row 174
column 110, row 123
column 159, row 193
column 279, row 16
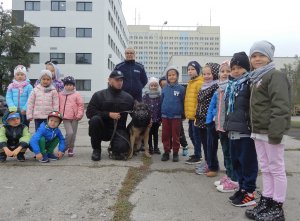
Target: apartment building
column 155, row 45
column 86, row 38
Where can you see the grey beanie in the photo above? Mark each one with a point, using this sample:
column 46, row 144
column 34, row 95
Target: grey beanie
column 264, row 47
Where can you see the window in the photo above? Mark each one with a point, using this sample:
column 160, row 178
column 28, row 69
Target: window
column 37, row 33
column 84, row 6
column 83, row 32
column 59, row 57
column 57, row 32
column 83, row 58
column 58, row 5
column 83, row 85
column 32, row 6
column 35, row 58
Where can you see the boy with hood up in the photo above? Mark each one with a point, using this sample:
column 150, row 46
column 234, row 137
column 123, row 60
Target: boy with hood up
column 171, row 112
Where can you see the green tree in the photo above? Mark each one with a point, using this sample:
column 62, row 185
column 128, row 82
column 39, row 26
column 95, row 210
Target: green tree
column 15, row 43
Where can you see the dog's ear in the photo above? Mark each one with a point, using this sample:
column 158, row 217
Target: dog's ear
column 136, row 102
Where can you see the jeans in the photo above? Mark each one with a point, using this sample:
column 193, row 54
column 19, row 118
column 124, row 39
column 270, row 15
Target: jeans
column 38, row 122
column 212, row 147
column 182, row 138
column 194, row 135
column 203, row 138
column 244, row 162
column 227, row 156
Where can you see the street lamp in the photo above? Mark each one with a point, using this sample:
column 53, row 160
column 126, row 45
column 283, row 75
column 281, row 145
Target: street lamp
column 161, row 48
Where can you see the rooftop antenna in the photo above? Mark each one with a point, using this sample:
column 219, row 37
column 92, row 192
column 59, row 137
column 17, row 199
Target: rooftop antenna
column 210, row 17
column 135, row 16
column 139, row 19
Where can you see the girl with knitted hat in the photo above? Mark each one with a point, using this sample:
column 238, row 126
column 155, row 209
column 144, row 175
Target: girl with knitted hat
column 18, row 93
column 152, row 99
column 42, row 100
column 270, row 117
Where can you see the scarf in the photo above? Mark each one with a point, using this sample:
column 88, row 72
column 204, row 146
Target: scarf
column 234, row 86
column 206, row 85
column 258, row 73
column 222, row 85
column 49, row 88
column 65, row 92
column 18, row 85
column 153, row 94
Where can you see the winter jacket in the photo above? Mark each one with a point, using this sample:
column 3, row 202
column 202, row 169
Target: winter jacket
column 204, row 98
column 110, row 100
column 191, row 97
column 239, row 119
column 135, row 78
column 154, row 105
column 172, row 101
column 212, row 108
column 270, row 106
column 49, row 134
column 71, row 106
column 16, row 101
column 14, row 136
column 41, row 102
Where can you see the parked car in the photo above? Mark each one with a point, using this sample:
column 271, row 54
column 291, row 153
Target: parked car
column 3, row 105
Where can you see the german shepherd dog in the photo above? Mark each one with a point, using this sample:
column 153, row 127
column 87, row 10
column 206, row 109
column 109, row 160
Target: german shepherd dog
column 139, row 129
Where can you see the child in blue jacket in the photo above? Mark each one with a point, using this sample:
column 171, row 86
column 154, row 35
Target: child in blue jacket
column 47, row 137
column 171, row 112
column 18, row 93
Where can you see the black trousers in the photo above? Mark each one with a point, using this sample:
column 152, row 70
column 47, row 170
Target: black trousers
column 154, row 133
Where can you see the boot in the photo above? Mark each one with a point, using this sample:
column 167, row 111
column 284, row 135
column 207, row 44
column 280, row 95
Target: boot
column 175, row 157
column 156, row 150
column 263, row 204
column 96, row 156
column 273, row 213
column 165, row 157
column 151, row 150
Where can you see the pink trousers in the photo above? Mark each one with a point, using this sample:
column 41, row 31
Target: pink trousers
column 271, row 162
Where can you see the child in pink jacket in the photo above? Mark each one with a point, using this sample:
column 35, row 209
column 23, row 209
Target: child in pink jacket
column 42, row 100
column 72, row 107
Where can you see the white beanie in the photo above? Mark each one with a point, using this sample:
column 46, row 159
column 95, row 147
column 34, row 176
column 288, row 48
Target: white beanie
column 20, row 69
column 45, row 72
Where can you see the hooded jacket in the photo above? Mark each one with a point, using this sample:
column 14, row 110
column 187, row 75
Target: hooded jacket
column 135, row 78
column 49, row 134
column 71, row 105
column 15, row 100
column 172, row 98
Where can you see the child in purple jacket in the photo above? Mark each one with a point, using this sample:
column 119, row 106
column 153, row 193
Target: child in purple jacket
column 153, row 100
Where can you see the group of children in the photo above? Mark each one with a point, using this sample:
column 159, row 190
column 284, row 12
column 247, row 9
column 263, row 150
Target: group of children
column 51, row 102
column 244, row 103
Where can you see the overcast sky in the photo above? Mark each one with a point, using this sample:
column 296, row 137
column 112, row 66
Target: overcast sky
column 241, row 22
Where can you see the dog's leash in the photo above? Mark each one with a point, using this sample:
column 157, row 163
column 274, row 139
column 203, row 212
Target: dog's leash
column 110, row 155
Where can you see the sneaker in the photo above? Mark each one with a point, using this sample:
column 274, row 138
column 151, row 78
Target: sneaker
column 193, row 160
column 70, row 152
column 21, row 157
column 245, row 199
column 52, row 156
column 175, row 157
column 221, row 181
column 235, row 195
column 96, row 155
column 156, row 151
column 273, row 213
column 228, row 186
column 45, row 159
column 211, row 173
column 165, row 157
column 263, row 205
column 151, row 150
column 185, row 151
column 2, row 158
column 202, row 169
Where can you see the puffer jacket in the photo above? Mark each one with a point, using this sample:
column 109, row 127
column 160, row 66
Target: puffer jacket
column 16, row 101
column 49, row 134
column 41, row 102
column 191, row 97
column 71, row 106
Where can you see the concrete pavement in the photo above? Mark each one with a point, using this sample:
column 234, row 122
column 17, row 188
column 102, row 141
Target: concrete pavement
column 80, row 189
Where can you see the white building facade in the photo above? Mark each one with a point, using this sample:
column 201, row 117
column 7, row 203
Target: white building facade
column 86, row 38
column 155, row 45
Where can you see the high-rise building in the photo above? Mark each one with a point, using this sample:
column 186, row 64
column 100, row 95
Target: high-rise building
column 86, row 38
column 155, row 45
